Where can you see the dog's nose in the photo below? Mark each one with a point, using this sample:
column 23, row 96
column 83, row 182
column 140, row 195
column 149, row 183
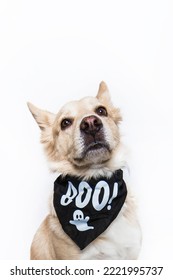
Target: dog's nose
column 91, row 125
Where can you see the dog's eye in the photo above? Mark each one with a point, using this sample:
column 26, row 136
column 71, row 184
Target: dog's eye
column 66, row 123
column 101, row 111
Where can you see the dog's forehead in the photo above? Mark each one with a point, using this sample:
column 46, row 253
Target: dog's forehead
column 75, row 107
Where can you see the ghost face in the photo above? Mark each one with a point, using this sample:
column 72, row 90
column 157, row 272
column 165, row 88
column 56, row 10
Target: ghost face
column 78, row 215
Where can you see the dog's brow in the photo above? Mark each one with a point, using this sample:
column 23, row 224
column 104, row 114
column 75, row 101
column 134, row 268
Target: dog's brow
column 78, row 107
column 70, row 108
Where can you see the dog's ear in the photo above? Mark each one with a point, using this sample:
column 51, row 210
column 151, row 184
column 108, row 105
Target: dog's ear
column 44, row 118
column 104, row 97
column 103, row 93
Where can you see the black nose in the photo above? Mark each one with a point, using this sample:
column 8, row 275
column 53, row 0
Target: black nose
column 91, row 125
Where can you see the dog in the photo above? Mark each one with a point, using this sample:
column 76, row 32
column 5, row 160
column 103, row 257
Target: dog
column 83, row 145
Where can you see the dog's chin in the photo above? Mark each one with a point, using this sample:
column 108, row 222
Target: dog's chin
column 95, row 153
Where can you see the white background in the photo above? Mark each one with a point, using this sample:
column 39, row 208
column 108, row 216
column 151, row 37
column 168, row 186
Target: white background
column 55, row 51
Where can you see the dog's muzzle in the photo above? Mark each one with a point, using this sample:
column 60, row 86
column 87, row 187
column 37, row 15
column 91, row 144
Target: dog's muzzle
column 91, row 128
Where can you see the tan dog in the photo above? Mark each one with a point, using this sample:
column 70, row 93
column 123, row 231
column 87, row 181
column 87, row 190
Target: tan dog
column 83, row 140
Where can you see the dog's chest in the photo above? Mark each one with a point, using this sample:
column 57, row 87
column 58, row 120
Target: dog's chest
column 120, row 241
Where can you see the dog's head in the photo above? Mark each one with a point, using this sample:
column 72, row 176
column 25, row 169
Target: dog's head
column 83, row 135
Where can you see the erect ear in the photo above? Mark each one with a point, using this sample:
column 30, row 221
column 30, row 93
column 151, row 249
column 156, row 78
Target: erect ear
column 43, row 118
column 103, row 93
column 104, row 97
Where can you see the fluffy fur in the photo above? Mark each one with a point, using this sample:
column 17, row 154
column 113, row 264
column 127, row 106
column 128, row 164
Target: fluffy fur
column 70, row 149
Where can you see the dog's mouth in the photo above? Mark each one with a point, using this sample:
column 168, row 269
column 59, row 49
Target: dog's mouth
column 95, row 152
column 96, row 146
column 95, row 149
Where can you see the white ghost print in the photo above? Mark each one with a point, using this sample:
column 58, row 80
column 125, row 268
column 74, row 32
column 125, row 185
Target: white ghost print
column 79, row 221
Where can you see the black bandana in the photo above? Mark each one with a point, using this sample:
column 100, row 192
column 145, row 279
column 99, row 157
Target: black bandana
column 86, row 208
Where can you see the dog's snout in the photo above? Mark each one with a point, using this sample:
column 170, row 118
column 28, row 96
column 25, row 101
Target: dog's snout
column 91, row 125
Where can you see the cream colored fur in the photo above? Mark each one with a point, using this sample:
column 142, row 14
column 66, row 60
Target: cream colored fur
column 65, row 151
